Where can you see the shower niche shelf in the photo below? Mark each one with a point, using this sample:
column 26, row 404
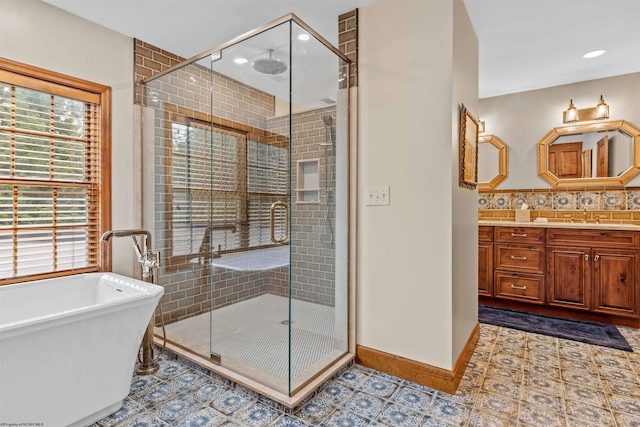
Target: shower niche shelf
column 308, row 179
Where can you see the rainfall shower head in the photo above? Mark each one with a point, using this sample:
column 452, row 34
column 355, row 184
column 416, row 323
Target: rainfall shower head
column 269, row 65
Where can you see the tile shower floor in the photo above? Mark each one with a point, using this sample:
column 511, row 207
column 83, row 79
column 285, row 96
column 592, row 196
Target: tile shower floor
column 255, row 332
column 513, row 379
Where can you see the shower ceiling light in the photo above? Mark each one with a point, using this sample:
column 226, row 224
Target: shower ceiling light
column 304, row 37
column 594, row 53
column 241, row 60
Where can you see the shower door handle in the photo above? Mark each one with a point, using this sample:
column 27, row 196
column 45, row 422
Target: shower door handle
column 273, row 220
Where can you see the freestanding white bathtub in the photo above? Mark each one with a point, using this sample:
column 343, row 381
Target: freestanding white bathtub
column 68, row 346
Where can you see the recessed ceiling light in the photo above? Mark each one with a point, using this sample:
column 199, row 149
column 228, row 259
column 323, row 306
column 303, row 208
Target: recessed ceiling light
column 241, row 60
column 303, row 37
column 594, row 53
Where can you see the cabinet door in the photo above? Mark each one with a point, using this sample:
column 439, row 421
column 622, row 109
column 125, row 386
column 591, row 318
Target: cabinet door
column 614, row 282
column 569, row 277
column 485, row 269
column 565, row 160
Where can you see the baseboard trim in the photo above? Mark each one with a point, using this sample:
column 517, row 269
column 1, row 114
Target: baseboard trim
column 418, row 372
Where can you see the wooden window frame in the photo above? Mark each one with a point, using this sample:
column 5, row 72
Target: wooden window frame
column 43, row 80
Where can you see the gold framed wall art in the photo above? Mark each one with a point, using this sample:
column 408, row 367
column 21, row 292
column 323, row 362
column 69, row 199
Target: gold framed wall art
column 468, row 149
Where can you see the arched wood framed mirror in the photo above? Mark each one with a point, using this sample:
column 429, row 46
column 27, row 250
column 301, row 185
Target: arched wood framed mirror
column 492, row 162
column 593, row 154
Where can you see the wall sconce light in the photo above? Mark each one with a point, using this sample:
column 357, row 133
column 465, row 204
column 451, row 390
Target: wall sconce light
column 481, row 126
column 602, row 110
column 571, row 115
column 599, row 112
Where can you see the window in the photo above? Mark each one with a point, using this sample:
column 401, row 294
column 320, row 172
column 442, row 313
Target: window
column 220, row 177
column 53, row 205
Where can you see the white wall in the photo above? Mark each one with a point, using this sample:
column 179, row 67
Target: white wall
column 38, row 34
column 465, row 201
column 408, row 140
column 522, row 119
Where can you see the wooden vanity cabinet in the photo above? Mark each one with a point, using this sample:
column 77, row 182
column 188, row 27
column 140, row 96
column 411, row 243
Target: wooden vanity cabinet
column 593, row 273
column 594, row 270
column 485, row 261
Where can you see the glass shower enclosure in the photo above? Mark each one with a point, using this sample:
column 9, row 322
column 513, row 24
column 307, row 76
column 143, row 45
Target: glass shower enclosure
column 246, row 193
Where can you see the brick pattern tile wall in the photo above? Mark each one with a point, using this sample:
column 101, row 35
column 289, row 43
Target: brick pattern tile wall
column 348, row 42
column 187, row 92
column 312, row 261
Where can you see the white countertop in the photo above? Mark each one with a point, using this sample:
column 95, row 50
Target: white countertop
column 590, row 226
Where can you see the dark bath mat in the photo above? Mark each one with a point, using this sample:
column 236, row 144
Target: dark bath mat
column 576, row 330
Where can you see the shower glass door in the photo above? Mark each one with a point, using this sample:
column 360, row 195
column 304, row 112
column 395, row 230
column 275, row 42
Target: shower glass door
column 250, row 269
column 319, row 207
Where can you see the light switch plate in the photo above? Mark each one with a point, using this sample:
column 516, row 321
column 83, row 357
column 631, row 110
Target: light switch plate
column 377, row 196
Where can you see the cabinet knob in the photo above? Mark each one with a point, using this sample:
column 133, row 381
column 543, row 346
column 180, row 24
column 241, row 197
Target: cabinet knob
column 586, row 257
column 596, row 258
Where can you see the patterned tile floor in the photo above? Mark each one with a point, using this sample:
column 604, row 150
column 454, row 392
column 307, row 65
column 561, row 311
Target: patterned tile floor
column 513, row 379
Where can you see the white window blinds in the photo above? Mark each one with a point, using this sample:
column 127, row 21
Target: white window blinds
column 219, row 178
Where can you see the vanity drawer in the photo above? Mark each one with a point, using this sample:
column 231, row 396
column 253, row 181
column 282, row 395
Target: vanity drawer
column 519, row 287
column 485, row 233
column 528, row 259
column 617, row 239
column 530, row 235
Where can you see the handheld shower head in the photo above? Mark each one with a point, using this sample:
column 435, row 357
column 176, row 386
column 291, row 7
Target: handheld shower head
column 330, row 131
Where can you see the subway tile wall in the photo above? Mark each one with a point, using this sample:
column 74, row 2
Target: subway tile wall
column 348, row 42
column 312, row 261
column 619, row 205
column 187, row 93
column 189, row 288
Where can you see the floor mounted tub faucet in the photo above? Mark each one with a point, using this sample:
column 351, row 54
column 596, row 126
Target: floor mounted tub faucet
column 149, row 261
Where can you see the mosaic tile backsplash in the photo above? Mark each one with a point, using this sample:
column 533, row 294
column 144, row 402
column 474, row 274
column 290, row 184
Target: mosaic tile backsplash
column 609, row 205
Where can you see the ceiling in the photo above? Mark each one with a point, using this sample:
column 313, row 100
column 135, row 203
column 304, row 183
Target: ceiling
column 524, row 44
column 532, row 44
